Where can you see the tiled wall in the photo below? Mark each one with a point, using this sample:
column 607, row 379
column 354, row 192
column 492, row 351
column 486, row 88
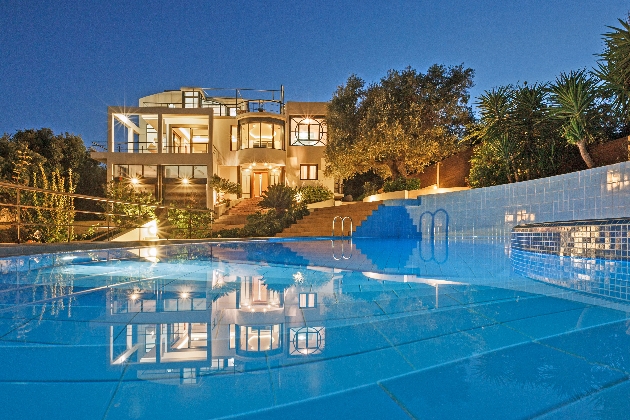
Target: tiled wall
column 599, row 193
column 609, row 278
column 606, row 239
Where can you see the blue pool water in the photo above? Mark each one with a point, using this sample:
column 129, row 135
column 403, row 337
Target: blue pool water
column 314, row 329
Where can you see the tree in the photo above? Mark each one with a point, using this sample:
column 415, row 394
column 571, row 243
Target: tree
column 614, row 67
column 576, row 96
column 137, row 209
column 518, row 138
column 400, row 125
column 52, row 219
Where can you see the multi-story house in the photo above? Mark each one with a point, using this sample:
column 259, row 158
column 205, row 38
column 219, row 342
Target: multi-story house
column 174, row 141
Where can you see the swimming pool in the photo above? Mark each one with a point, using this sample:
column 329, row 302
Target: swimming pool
column 309, row 329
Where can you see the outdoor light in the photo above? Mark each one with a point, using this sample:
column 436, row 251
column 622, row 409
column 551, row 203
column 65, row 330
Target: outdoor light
column 185, row 181
column 184, row 295
column 135, row 181
column 134, row 296
column 153, row 232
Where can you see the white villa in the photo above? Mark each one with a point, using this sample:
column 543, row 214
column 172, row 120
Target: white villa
column 174, row 141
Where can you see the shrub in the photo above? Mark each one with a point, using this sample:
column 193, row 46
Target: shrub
column 308, row 194
column 401, row 184
column 278, row 197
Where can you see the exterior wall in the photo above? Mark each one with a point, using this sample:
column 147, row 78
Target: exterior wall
column 599, row 193
column 165, row 112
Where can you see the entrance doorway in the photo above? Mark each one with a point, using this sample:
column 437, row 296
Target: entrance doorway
column 259, row 184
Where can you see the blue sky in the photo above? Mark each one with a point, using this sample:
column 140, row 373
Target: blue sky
column 63, row 62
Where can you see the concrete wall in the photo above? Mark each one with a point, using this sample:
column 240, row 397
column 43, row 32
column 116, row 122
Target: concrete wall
column 598, row 193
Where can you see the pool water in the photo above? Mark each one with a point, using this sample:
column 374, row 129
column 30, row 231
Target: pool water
column 309, row 329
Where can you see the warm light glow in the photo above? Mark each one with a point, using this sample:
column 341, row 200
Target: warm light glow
column 153, row 251
column 135, row 181
column 153, row 230
column 298, row 197
column 134, row 296
column 184, row 295
column 435, row 187
column 185, row 181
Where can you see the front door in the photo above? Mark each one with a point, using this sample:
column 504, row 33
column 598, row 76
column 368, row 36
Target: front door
column 259, row 183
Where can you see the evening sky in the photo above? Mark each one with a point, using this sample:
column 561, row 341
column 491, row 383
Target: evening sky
column 63, row 62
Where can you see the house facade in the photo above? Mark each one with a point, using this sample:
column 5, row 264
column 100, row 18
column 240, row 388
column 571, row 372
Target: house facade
column 173, row 142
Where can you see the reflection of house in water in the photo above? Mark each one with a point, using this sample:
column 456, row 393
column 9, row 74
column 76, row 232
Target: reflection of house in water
column 168, row 331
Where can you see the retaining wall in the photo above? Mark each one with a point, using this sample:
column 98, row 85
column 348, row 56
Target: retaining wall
column 599, row 193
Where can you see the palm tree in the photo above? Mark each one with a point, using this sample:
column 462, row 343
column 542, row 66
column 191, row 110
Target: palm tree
column 614, row 68
column 494, row 126
column 575, row 96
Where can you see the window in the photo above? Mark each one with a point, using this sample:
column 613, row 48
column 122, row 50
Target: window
column 256, row 339
column 308, row 300
column 261, row 133
column 191, row 99
column 308, row 131
column 306, row 340
column 185, row 171
column 233, row 138
column 308, row 172
column 135, row 171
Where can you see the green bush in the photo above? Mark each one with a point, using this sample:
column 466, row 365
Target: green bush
column 278, row 197
column 401, row 184
column 313, row 194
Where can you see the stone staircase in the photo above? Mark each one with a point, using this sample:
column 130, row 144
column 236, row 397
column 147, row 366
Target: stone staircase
column 319, row 222
column 236, row 217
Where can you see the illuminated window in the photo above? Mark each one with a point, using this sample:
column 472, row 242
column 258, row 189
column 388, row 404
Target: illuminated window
column 308, row 131
column 306, row 340
column 257, row 339
column 233, row 137
column 257, row 133
column 185, row 171
column 308, row 300
column 191, row 99
column 308, row 172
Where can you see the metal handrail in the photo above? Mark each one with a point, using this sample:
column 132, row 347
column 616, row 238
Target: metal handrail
column 19, row 223
column 343, row 255
column 343, row 219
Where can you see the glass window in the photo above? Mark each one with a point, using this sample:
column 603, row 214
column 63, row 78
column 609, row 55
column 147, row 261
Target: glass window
column 150, row 171
column 121, row 171
column 135, row 171
column 260, row 134
column 171, row 171
column 306, row 340
column 185, row 171
column 200, row 172
column 308, row 172
column 308, row 131
column 308, row 300
column 233, row 138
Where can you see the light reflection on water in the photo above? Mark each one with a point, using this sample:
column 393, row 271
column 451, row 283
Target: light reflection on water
column 433, row 328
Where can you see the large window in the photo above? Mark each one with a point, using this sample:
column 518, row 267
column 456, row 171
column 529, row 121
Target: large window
column 308, row 172
column 135, row 171
column 308, row 131
column 257, row 339
column 306, row 340
column 188, row 139
column 261, row 133
column 185, row 171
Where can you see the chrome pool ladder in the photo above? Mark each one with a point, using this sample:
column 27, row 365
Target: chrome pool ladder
column 343, row 219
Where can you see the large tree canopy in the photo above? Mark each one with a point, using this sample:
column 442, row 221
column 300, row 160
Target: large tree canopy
column 22, row 154
column 399, row 126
